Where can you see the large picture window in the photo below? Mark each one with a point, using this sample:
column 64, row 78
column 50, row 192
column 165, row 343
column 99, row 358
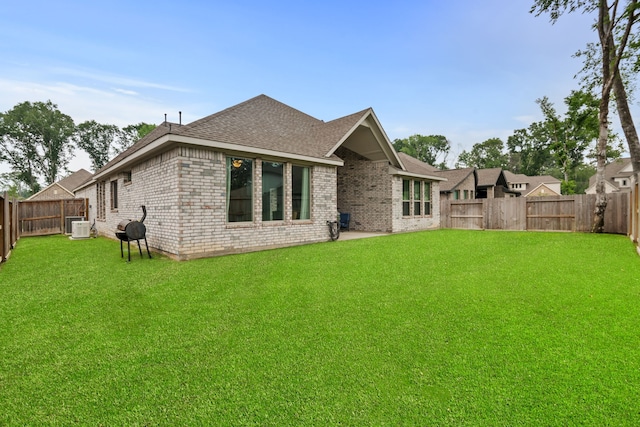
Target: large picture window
column 272, row 191
column 239, row 189
column 300, row 192
column 416, row 198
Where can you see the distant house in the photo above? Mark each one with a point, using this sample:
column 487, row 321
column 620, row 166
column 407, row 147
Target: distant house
column 460, row 184
column 533, row 186
column 617, row 177
column 63, row 189
column 492, row 183
column 261, row 175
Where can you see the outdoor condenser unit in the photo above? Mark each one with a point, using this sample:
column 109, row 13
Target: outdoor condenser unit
column 80, row 230
column 70, row 219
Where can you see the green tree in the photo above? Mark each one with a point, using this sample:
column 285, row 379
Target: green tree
column 129, row 135
column 529, row 152
column 582, row 175
column 570, row 137
column 431, row 149
column 14, row 186
column 484, row 155
column 98, row 140
column 615, row 24
column 35, row 139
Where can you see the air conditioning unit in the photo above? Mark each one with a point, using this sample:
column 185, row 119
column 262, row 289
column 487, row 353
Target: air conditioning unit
column 67, row 223
column 80, row 230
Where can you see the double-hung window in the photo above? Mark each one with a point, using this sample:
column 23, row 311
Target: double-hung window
column 427, row 198
column 417, row 198
column 406, row 197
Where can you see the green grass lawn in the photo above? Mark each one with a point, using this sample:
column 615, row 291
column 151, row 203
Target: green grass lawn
column 432, row 328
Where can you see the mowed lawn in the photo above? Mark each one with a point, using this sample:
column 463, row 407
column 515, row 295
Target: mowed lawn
column 432, row 328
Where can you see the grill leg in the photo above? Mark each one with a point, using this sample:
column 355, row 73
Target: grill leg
column 121, row 251
column 147, row 245
column 139, row 248
column 129, row 250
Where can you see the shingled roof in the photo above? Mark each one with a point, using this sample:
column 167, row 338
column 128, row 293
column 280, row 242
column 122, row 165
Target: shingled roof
column 454, row 178
column 76, row 179
column 414, row 165
column 261, row 124
column 489, row 177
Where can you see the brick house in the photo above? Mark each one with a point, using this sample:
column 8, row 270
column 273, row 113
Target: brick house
column 261, row 175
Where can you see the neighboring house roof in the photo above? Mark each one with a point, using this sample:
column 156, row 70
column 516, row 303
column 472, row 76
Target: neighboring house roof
column 65, row 185
column 617, row 169
column 532, row 182
column 490, row 177
column 455, row 177
column 76, row 179
column 542, row 189
column 270, row 128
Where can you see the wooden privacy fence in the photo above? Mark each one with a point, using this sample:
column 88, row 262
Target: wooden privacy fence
column 564, row 213
column 8, row 225
column 41, row 217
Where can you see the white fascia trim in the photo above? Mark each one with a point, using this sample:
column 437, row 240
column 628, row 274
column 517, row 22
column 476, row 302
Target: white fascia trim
column 362, row 122
column 394, row 171
column 223, row 146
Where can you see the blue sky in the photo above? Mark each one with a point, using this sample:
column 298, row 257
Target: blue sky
column 465, row 69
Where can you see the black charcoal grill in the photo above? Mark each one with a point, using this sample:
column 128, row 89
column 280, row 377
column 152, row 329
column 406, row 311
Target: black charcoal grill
column 129, row 230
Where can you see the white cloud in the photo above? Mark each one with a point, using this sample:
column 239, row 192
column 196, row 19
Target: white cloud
column 126, row 92
column 113, row 79
column 85, row 103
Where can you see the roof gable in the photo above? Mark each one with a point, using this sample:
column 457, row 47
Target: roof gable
column 264, row 125
column 491, row 177
column 74, row 180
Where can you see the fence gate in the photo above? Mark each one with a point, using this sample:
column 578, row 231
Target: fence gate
column 41, row 217
column 466, row 214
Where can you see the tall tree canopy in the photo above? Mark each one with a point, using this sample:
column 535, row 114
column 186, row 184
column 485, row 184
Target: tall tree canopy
column 35, row 139
column 484, row 155
column 98, row 140
column 431, row 149
column 102, row 142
